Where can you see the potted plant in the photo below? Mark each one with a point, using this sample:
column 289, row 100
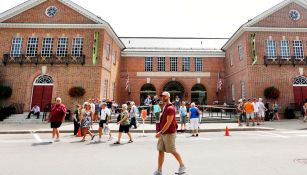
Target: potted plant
column 76, row 91
column 5, row 92
column 271, row 93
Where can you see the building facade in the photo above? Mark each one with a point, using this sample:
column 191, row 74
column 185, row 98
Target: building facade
column 50, row 46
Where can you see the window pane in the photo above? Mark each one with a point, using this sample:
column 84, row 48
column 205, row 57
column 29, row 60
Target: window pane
column 240, row 52
column 198, row 64
column 148, row 64
column 186, row 64
column 284, row 49
column 32, row 47
column 16, row 47
column 270, row 49
column 298, row 49
column 62, row 49
column 77, row 47
column 161, row 64
column 174, row 64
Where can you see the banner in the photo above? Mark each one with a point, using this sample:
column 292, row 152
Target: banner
column 253, row 46
column 95, row 47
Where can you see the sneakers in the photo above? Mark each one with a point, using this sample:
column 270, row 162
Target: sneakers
column 157, row 173
column 181, row 170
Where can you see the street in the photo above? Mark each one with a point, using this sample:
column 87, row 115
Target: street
column 280, row 152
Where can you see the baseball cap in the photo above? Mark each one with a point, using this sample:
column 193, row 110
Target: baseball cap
column 165, row 94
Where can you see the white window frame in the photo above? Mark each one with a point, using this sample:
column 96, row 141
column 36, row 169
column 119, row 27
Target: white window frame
column 47, row 46
column 198, row 64
column 241, row 52
column 16, row 48
column 233, row 92
column 186, row 64
column 284, row 49
column 62, row 49
column 298, row 49
column 32, row 46
column 161, row 64
column 243, row 89
column 105, row 88
column 231, row 59
column 108, row 50
column 114, row 57
column 173, row 64
column 77, row 47
column 270, row 49
column 148, row 64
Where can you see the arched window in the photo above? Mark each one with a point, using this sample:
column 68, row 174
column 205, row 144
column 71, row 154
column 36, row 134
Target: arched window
column 300, row 81
column 199, row 94
column 175, row 89
column 43, row 80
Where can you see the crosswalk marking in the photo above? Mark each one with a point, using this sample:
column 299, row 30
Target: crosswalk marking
column 273, row 134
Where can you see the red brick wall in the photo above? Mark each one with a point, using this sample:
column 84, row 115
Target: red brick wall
column 136, row 64
column 64, row 15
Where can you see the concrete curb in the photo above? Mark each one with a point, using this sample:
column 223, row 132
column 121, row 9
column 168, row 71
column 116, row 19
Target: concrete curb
column 133, row 131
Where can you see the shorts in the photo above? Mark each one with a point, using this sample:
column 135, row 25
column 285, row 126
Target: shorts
column 261, row 114
column 194, row 122
column 275, row 111
column 183, row 119
column 166, row 143
column 55, row 124
column 250, row 115
column 256, row 114
column 102, row 123
column 124, row 128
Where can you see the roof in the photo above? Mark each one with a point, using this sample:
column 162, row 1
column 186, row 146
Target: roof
column 166, row 46
column 32, row 3
column 248, row 25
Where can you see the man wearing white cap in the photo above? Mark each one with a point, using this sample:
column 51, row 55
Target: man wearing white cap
column 262, row 110
column 167, row 135
column 105, row 115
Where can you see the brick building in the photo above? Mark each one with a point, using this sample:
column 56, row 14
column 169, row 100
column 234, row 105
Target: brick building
column 49, row 46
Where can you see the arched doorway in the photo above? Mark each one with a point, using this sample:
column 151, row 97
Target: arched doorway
column 42, row 91
column 300, row 91
column 175, row 89
column 147, row 89
column 199, row 94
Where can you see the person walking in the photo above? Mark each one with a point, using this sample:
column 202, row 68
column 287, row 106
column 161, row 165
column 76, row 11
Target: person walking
column 167, row 135
column 194, row 119
column 35, row 110
column 275, row 111
column 56, row 117
column 133, row 115
column 240, row 109
column 256, row 111
column 105, row 115
column 87, row 117
column 262, row 110
column 305, row 110
column 124, row 124
column 177, row 104
column 249, row 109
column 183, row 116
column 76, row 118
column 97, row 110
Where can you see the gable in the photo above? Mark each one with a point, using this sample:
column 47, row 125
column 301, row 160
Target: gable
column 281, row 18
column 64, row 15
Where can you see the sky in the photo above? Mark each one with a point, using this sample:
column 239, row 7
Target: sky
column 172, row 18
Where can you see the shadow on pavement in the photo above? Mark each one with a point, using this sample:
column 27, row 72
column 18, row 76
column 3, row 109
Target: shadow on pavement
column 41, row 143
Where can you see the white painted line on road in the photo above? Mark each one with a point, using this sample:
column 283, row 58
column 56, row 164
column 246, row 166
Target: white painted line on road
column 250, row 134
column 273, row 134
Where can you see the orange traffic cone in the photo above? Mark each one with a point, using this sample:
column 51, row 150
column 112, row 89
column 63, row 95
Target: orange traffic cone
column 227, row 131
column 79, row 132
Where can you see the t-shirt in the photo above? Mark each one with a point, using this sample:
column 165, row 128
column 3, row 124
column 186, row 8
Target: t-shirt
column 133, row 111
column 104, row 113
column 97, row 107
column 57, row 113
column 183, row 110
column 77, row 113
column 261, row 106
column 109, row 104
column 256, row 107
column 93, row 107
column 156, row 108
column 249, row 107
column 169, row 110
column 194, row 112
column 125, row 122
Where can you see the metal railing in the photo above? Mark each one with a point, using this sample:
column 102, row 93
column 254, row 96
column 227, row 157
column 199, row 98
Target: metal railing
column 39, row 59
column 279, row 60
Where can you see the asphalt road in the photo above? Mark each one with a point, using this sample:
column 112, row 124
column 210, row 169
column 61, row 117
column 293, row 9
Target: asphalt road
column 282, row 152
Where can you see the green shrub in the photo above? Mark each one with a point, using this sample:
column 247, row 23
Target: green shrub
column 271, row 93
column 76, row 91
column 5, row 92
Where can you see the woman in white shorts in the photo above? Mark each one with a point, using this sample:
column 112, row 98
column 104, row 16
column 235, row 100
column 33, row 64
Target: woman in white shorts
column 194, row 119
column 262, row 110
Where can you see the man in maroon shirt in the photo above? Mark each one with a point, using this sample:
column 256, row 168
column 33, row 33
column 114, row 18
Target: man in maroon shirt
column 56, row 118
column 167, row 135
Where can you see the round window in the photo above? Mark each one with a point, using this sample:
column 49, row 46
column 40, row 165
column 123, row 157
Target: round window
column 294, row 15
column 51, row 11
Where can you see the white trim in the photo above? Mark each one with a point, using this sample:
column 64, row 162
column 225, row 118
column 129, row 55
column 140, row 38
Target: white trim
column 186, row 53
column 260, row 17
column 65, row 26
column 173, row 74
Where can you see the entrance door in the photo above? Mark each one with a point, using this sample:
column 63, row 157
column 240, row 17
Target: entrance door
column 300, row 91
column 175, row 89
column 42, row 92
column 42, row 95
